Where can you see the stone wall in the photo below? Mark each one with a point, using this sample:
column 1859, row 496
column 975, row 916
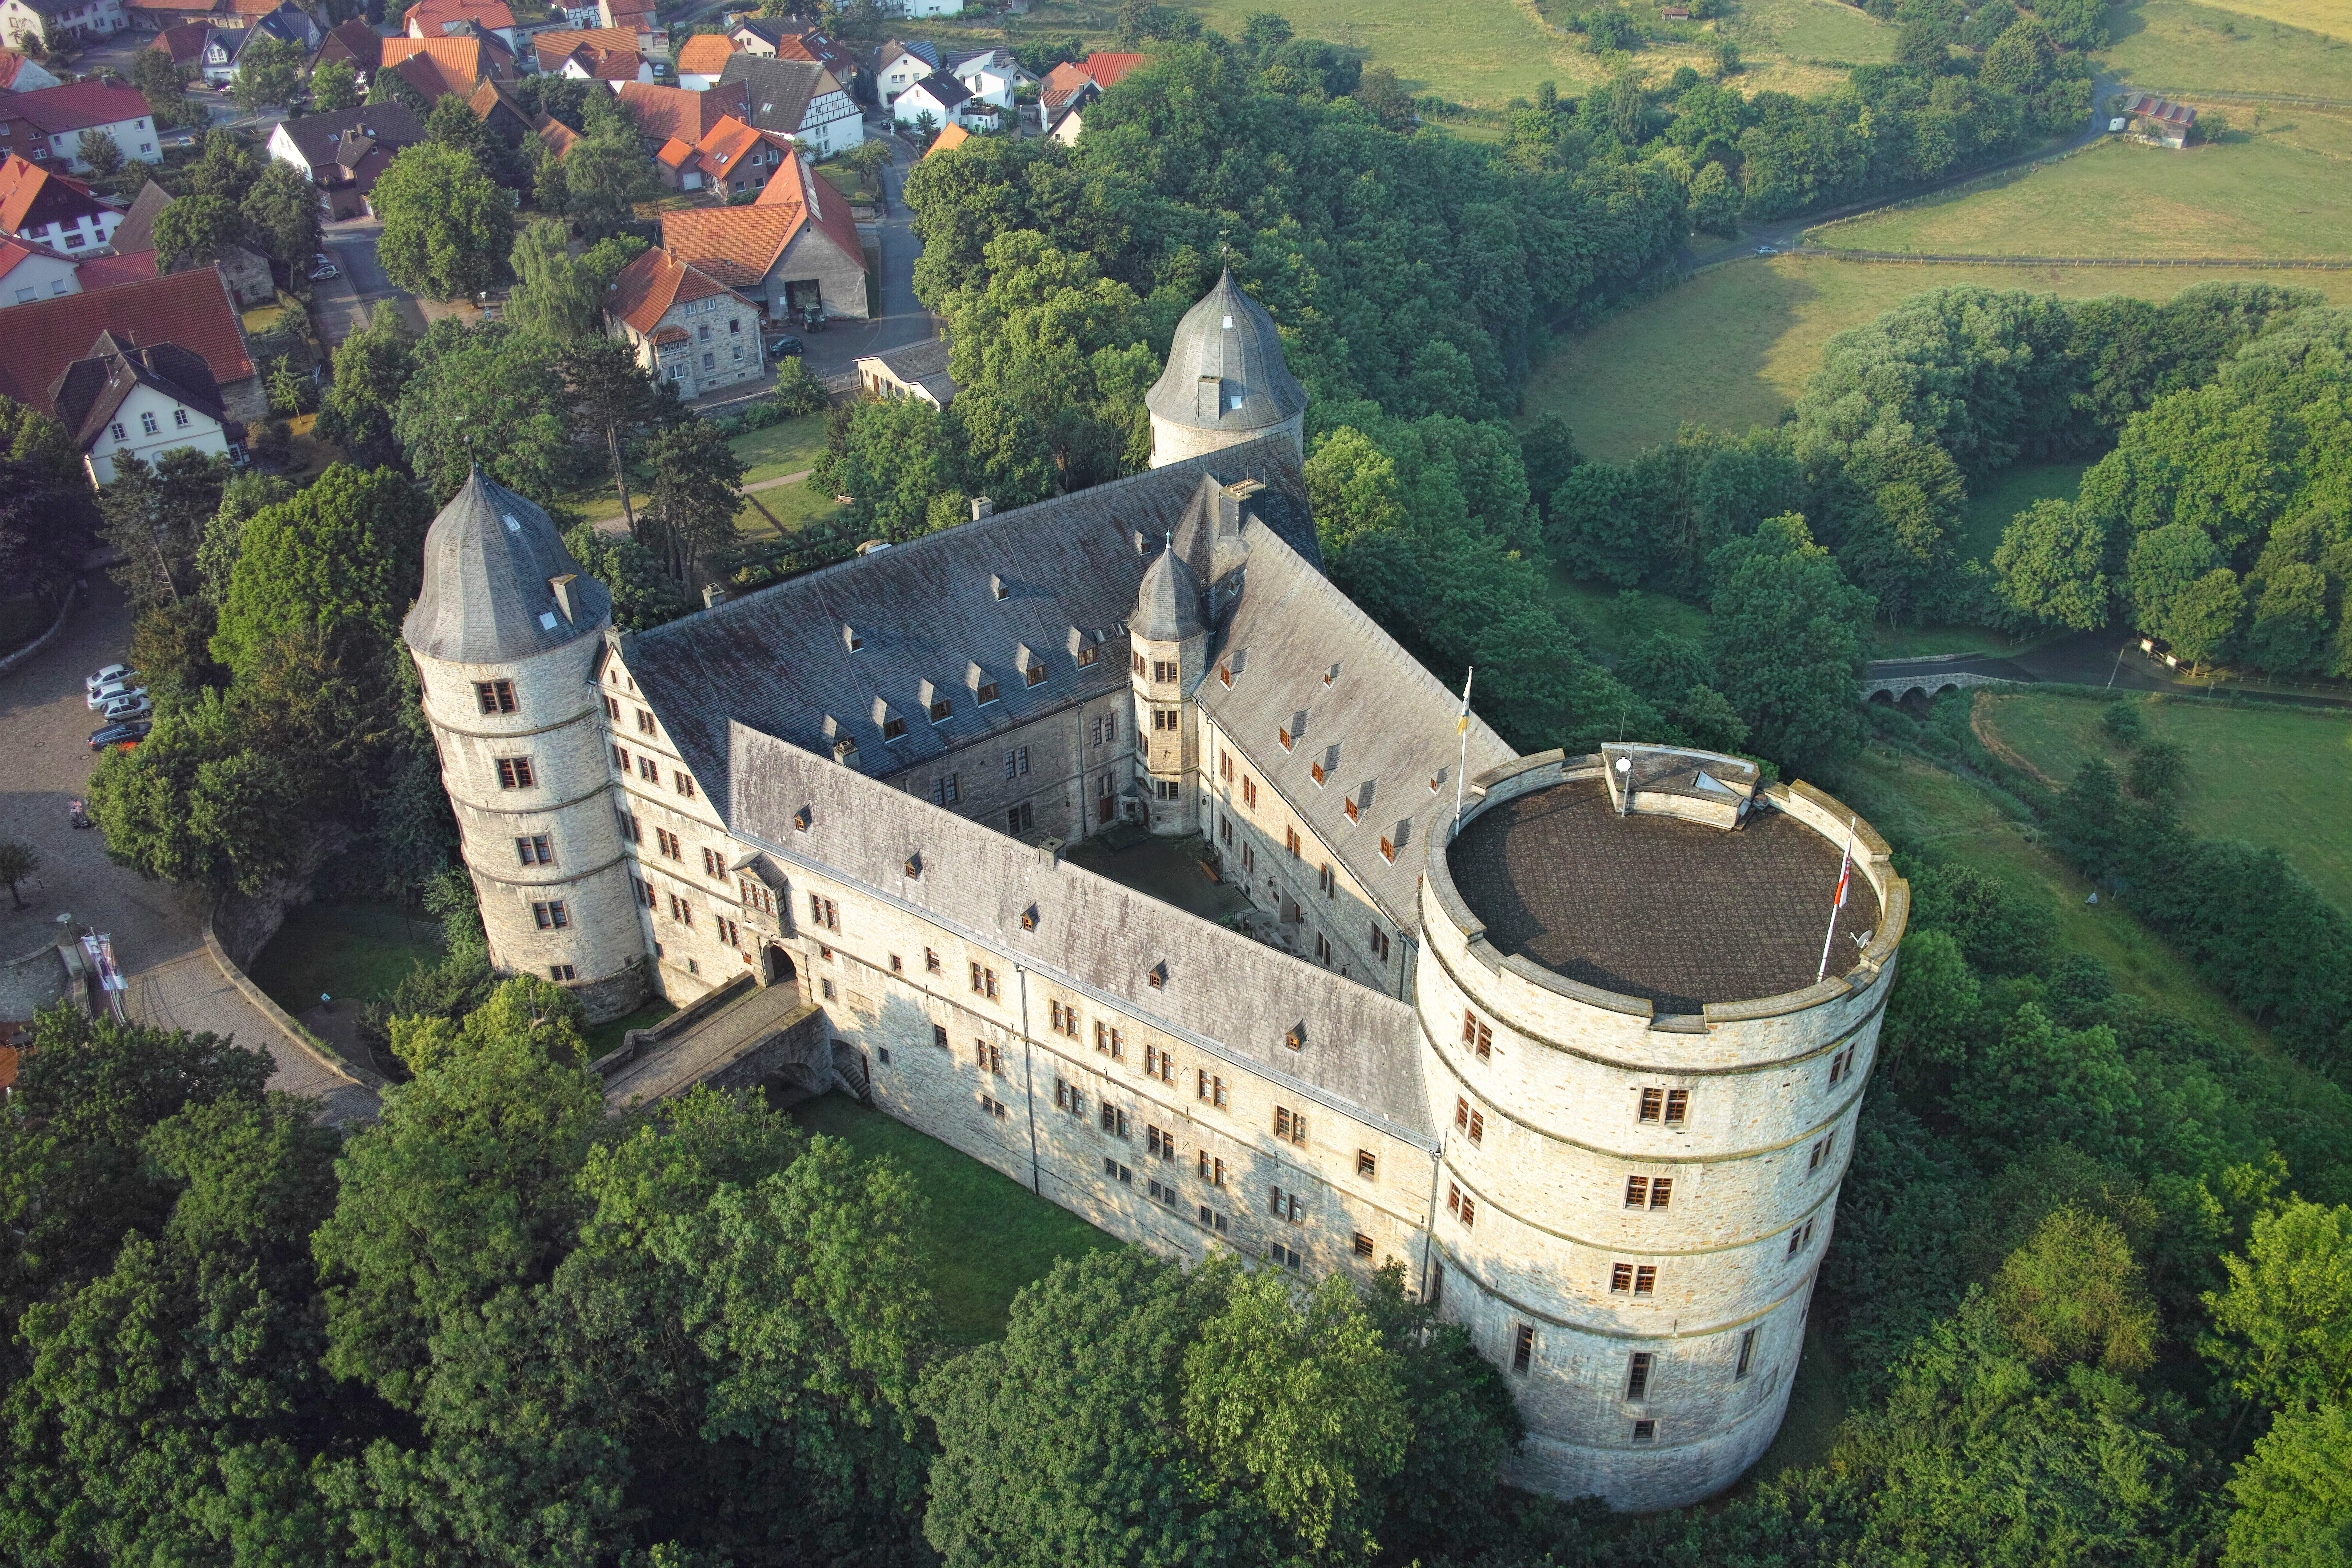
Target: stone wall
column 1173, row 442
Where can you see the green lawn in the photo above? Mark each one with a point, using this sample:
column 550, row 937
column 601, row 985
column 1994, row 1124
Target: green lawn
column 2007, row 493
column 1946, row 818
column 1811, row 31
column 985, row 1235
column 343, row 950
column 2239, row 46
column 1734, row 346
column 793, row 506
column 2264, row 196
column 788, row 448
column 2270, row 775
column 1609, row 620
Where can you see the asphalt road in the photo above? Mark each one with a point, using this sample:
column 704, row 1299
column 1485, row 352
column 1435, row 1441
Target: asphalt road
column 835, row 350
column 343, row 304
column 2100, row 658
column 158, row 937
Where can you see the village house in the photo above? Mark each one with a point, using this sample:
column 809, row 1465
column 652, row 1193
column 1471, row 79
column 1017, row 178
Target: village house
column 441, row 18
column 54, row 23
column 29, row 272
column 800, row 99
column 344, row 150
column 995, row 77
column 918, row 371
column 796, row 249
column 18, row 74
column 225, row 46
column 596, row 54
column 937, row 101
column 183, row 43
column 191, row 311
column 126, row 401
column 920, row 8
column 59, row 115
column 640, row 18
column 49, row 209
column 775, row 38
column 666, row 114
column 899, row 65
column 358, row 43
column 451, row 63
column 1068, row 88
column 701, row 59
column 731, row 156
column 687, row 327
column 246, row 271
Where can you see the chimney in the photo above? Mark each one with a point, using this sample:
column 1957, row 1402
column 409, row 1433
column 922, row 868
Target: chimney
column 563, row 592
column 982, row 507
column 713, row 595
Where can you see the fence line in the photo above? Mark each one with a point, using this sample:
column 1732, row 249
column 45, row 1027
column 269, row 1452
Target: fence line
column 2313, row 263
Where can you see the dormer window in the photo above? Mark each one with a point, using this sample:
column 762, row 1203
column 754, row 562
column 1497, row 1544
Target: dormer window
column 1296, row 1038
column 801, row 820
column 986, row 692
column 894, row 728
column 1331, row 675
column 844, row 750
column 849, row 635
column 940, row 709
column 1315, row 771
column 1035, row 675
column 1388, row 849
column 996, row 585
column 914, row 864
column 1085, row 657
column 1351, row 808
column 1158, row 977
column 1225, row 676
column 1282, row 734
column 1029, row 918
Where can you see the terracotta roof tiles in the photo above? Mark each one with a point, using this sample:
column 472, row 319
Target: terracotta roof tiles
column 78, row 106
column 191, row 309
column 705, row 54
column 649, row 286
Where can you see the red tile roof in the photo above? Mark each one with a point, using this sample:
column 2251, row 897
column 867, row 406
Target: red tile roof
column 664, row 113
column 950, row 139
column 723, row 146
column 191, row 309
column 674, row 154
column 736, row 244
column 183, row 41
column 1106, row 69
column 78, row 106
column 557, row 136
column 607, row 53
column 458, row 63
column 430, row 17
column 25, row 185
column 104, row 272
column 797, row 186
column 705, row 54
column 649, row 286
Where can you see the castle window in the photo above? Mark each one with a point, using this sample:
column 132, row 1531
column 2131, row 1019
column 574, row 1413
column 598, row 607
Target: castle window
column 1354, row 811
column 989, row 1056
column 1820, row 1153
column 1282, row 734
column 1800, row 1238
column 1290, row 841
column 1522, row 1346
column 1296, row 1037
column 1284, row 1205
column 1637, row 1380
column 1289, row 1124
column 1211, row 1170
column 894, row 728
column 1379, row 942
column 1363, row 1245
column 684, row 780
column 1841, row 1064
column 712, row 865
column 823, row 912
column 1210, row 1219
column 644, row 722
column 1212, row 1089
column 897, row 965
column 1454, row 1199
column 1225, row 765
column 1067, row 1098
column 1139, row 662
column 1315, row 772
column 562, row 972
column 1668, row 1106
column 1157, row 976
column 1114, row 1121
column 1225, row 675
column 1367, row 1164
column 1645, row 1431
column 1387, row 849
column 1159, row 1064
column 1085, row 657
column 550, row 916
column 514, row 773
column 1164, row 718
column 612, row 709
column 939, row 1036
column 1747, row 1354
column 667, row 842
column 631, row 829
column 940, row 709
column 1249, row 792
column 534, row 850
column 648, row 769
column 1327, row 880
column 1480, row 1038
column 849, row 635
column 1106, row 1040
column 930, row 960
column 945, row 790
column 1064, row 1019
column 1035, row 675
column 986, row 693
column 1017, row 762
column 1165, row 670
column 1288, row 1257
column 644, row 894
column 1020, row 819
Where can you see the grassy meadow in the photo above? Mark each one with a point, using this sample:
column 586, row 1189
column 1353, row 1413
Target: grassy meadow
column 2262, row 195
column 788, row 448
column 1734, row 345
column 984, row 1236
column 2302, row 47
column 2007, row 493
column 2268, row 774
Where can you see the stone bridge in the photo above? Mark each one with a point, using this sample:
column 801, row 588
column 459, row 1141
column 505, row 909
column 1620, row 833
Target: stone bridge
column 1891, row 680
column 740, row 1035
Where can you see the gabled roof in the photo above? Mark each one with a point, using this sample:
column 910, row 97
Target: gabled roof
column 723, row 146
column 104, row 272
column 182, row 41
column 331, row 138
column 927, row 611
column 736, row 244
column 87, row 392
column 948, row 140
column 14, row 253
column 32, row 197
column 434, row 16
column 942, row 90
column 1225, row 368
column 136, row 232
column 77, row 106
column 649, row 286
column 555, row 135
column 705, row 54
column 674, row 154
column 191, row 309
column 797, row 185
column 777, row 92
column 437, row 67
column 681, row 112
column 606, row 53
column 355, row 41
column 1229, row 995
column 1064, row 83
column 1107, row 69
column 489, row 97
column 892, row 48
column 491, row 558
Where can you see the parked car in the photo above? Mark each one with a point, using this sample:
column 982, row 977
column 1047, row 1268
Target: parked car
column 114, row 691
column 782, row 347
column 130, row 705
column 111, row 675
column 128, row 733
column 322, row 267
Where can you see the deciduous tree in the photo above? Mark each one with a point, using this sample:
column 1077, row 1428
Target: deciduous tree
column 447, row 228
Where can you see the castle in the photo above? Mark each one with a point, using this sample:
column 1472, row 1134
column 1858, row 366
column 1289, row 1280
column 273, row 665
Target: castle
column 1551, row 1050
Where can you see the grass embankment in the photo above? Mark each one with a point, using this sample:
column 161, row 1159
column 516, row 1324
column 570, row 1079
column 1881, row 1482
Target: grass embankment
column 780, row 450
column 360, row 951
column 2271, row 775
column 2274, row 193
column 1735, row 345
column 985, row 1236
column 2303, row 47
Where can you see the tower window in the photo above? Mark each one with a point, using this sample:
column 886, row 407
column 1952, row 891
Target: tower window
column 495, row 696
column 1668, row 1106
column 1819, row 1154
column 1747, row 1354
column 1367, row 1164
column 1637, row 1192
column 1522, row 1347
column 1363, row 1245
column 1800, row 1238
column 1645, row 1431
column 514, row 773
column 1637, row 1377
column 1478, row 1036
column 550, row 916
column 534, row 850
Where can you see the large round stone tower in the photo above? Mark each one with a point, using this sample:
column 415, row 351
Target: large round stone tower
column 1225, row 381
column 505, row 634
column 1647, row 1098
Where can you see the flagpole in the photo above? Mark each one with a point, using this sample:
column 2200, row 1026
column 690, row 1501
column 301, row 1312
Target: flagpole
column 1837, row 902
column 1462, row 728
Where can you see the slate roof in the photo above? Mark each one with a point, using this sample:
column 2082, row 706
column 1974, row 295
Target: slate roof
column 191, row 308
column 78, row 106
column 777, row 93
column 136, row 232
column 489, row 559
column 87, row 393
column 1305, row 659
column 1225, row 369
column 941, row 89
column 322, row 138
column 779, row 660
column 1233, row 996
column 1168, row 604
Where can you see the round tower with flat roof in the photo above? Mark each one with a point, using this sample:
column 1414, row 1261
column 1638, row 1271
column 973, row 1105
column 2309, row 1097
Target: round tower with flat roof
column 1226, row 381
column 506, row 633
column 1647, row 1073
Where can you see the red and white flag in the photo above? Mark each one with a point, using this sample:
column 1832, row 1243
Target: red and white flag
column 1845, row 876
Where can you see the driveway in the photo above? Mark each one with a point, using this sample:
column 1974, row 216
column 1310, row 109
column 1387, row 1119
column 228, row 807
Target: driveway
column 158, row 937
column 345, row 303
column 834, row 352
